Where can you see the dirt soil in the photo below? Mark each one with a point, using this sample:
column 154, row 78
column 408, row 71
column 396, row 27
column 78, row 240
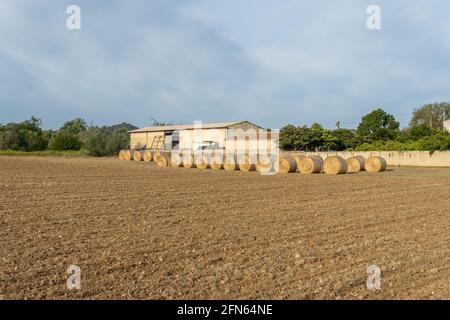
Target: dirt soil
column 140, row 231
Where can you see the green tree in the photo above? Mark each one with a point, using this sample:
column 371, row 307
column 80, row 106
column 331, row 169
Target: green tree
column 346, row 139
column 431, row 115
column 438, row 141
column 420, row 131
column 75, row 126
column 118, row 140
column 308, row 139
column 316, row 137
column 378, row 125
column 24, row 136
column 69, row 136
column 95, row 142
column 65, row 140
column 9, row 138
column 288, row 137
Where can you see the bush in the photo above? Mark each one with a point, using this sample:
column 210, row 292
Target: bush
column 420, row 132
column 9, row 139
column 390, row 145
column 118, row 140
column 35, row 141
column 439, row 141
column 95, row 142
column 24, row 136
column 317, row 138
column 64, row 140
column 346, row 139
column 73, row 135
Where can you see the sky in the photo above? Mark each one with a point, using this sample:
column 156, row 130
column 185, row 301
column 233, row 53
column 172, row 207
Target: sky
column 269, row 62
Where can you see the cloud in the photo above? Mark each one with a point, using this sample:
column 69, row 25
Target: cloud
column 269, row 62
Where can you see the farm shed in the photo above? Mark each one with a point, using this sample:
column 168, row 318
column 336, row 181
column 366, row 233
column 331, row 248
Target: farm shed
column 184, row 136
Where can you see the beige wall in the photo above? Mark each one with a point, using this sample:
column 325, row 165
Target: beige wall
column 138, row 139
column 394, row 158
column 187, row 137
column 143, row 138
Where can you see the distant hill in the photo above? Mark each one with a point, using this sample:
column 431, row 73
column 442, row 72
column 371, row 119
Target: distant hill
column 127, row 126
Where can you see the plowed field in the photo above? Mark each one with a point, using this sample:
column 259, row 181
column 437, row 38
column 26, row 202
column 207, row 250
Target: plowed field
column 140, row 231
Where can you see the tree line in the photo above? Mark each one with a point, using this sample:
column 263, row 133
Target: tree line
column 377, row 130
column 75, row 135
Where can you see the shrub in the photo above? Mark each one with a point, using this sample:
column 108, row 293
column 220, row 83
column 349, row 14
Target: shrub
column 118, row 140
column 419, row 132
column 440, row 141
column 95, row 142
column 64, row 140
column 23, row 136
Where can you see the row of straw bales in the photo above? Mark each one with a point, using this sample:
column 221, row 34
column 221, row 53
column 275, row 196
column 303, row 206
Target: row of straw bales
column 286, row 164
column 339, row 165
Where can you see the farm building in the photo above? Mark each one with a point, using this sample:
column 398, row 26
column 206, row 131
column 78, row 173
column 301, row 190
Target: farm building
column 187, row 136
column 447, row 125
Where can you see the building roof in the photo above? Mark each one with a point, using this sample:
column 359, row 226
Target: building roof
column 217, row 125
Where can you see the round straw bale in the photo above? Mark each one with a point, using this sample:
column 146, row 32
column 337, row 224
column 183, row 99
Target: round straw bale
column 375, row 164
column 176, row 159
column 230, row 162
column 311, row 164
column 148, row 155
column 217, row 161
column 319, row 158
column 156, row 154
column 202, row 161
column 356, row 164
column 138, row 155
column 121, row 154
column 264, row 163
column 298, row 158
column 287, row 164
column 163, row 159
column 335, row 165
column 188, row 160
column 246, row 163
column 128, row 155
